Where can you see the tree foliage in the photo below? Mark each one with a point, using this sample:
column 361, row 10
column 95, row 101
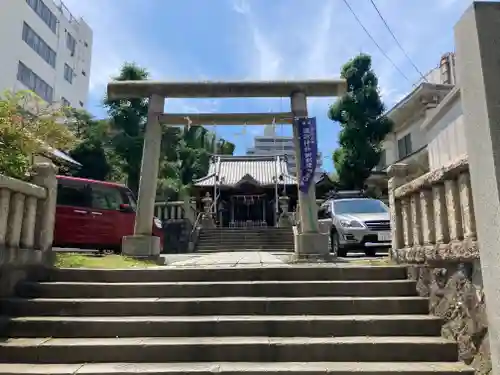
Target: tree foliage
column 360, row 112
column 29, row 127
column 128, row 120
column 185, row 151
column 94, row 152
column 186, row 156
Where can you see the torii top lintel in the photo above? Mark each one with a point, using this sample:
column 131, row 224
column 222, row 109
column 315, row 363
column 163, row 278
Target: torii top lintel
column 236, row 89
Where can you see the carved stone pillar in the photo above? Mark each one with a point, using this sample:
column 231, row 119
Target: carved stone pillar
column 440, row 214
column 397, row 174
column 407, row 222
column 4, row 214
column 427, row 210
column 454, row 210
column 15, row 220
column 45, row 176
column 416, row 218
column 467, row 206
column 29, row 222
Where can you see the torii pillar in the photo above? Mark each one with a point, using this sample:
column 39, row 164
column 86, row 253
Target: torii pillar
column 309, row 242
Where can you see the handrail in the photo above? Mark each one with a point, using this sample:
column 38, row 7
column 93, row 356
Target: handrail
column 198, row 218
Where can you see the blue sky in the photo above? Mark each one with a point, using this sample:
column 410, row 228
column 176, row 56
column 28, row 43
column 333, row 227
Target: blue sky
column 264, row 39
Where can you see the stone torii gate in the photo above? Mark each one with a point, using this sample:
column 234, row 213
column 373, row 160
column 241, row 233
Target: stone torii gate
column 308, row 241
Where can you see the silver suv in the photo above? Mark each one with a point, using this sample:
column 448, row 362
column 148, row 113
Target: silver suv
column 356, row 223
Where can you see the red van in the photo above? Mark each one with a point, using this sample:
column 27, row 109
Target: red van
column 95, row 214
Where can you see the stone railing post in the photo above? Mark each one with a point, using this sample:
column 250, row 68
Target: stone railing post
column 397, row 174
column 416, row 219
column 4, row 215
column 189, row 212
column 440, row 214
column 29, row 223
column 44, row 175
column 453, row 209
column 407, row 222
column 467, row 206
column 15, row 221
column 427, row 209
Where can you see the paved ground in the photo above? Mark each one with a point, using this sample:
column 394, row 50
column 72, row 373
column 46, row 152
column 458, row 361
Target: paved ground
column 241, row 259
column 233, row 259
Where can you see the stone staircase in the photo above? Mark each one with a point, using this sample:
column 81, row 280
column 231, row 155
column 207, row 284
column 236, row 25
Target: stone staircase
column 245, row 239
column 232, row 321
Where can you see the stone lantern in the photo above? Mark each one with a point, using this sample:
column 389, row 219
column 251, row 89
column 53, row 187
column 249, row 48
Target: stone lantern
column 284, row 220
column 207, row 219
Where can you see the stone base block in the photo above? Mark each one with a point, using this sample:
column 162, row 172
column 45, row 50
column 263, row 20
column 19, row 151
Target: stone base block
column 311, row 245
column 141, row 246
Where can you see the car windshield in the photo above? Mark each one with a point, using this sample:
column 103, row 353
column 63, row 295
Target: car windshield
column 359, row 206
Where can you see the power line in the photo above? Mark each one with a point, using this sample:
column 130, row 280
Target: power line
column 396, row 40
column 375, row 42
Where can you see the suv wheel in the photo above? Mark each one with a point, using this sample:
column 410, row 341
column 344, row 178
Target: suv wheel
column 335, row 243
column 371, row 252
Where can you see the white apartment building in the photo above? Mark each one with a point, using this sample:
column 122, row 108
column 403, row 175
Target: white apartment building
column 412, row 140
column 272, row 144
column 45, row 49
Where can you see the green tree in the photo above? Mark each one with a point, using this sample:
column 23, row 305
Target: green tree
column 128, row 119
column 28, row 126
column 94, row 150
column 360, row 112
column 186, row 157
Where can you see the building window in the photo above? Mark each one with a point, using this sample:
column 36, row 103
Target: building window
column 68, row 73
column 33, row 82
column 65, row 102
column 70, row 43
column 44, row 13
column 38, row 45
column 404, row 146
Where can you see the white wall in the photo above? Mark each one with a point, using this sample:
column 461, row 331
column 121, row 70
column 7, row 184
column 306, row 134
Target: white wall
column 446, row 138
column 13, row 14
column 418, row 139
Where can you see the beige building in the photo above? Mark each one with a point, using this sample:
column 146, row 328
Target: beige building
column 418, row 120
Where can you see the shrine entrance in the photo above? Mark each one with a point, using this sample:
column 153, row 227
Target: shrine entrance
column 308, row 240
column 248, row 210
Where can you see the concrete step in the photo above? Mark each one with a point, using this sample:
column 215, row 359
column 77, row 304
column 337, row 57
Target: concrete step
column 329, row 272
column 246, row 249
column 233, row 234
column 214, row 306
column 242, row 242
column 237, row 241
column 243, row 368
column 217, row 326
column 245, row 242
column 214, row 251
column 365, row 288
column 228, row 349
column 247, row 230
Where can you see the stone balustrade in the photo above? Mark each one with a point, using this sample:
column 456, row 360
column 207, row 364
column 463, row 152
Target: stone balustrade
column 433, row 215
column 176, row 211
column 27, row 216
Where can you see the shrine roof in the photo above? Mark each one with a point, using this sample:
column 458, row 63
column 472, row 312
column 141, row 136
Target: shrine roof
column 259, row 170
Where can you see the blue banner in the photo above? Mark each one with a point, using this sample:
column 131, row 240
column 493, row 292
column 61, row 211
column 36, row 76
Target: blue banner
column 308, row 144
